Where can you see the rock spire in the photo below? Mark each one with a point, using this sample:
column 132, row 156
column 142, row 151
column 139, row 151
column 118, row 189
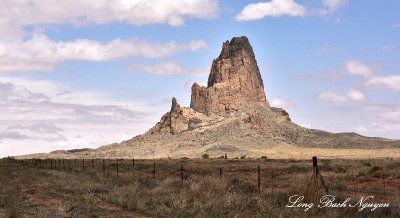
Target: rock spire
column 234, row 82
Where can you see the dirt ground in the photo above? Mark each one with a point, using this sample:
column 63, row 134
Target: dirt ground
column 204, row 188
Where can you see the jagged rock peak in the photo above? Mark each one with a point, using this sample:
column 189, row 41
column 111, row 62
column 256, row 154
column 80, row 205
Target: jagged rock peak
column 236, row 45
column 234, row 82
column 240, row 51
column 175, row 106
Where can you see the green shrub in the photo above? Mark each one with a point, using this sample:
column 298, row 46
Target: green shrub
column 205, row 156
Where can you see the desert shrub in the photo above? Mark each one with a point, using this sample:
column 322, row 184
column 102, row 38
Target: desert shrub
column 13, row 214
column 340, row 170
column 297, row 168
column 205, row 156
column 239, row 184
column 263, row 157
column 338, row 186
column 378, row 172
column 395, row 165
column 243, row 157
column 367, row 164
column 375, row 168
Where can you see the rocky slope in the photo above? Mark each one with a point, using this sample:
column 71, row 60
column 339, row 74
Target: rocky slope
column 229, row 116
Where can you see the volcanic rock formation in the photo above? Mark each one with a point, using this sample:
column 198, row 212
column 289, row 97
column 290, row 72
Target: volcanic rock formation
column 234, row 82
column 230, row 116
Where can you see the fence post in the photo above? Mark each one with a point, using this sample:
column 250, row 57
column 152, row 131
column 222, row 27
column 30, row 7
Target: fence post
column 92, row 163
column 75, row 162
column 83, row 164
column 133, row 163
column 272, row 181
column 315, row 165
column 117, row 167
column 220, row 172
column 69, row 165
column 182, row 174
column 154, row 170
column 259, row 179
column 104, row 167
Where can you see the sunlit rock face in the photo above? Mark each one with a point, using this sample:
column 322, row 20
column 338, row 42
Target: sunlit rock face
column 234, row 82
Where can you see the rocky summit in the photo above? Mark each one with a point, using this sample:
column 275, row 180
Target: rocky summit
column 234, row 83
column 231, row 116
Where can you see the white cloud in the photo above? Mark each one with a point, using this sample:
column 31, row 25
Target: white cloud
column 385, row 82
column 385, row 123
column 166, row 68
column 388, row 47
column 330, row 49
column 396, row 25
column 48, row 116
column 351, row 95
column 281, row 103
column 274, row 8
column 18, row 14
column 331, row 6
column 358, row 68
column 355, row 95
column 42, row 54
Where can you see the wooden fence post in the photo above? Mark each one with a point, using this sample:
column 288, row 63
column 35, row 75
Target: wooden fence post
column 220, row 172
column 69, row 165
column 272, row 181
column 259, row 179
column 92, row 163
column 182, row 174
column 83, row 164
column 104, row 167
column 315, row 165
column 154, row 170
column 117, row 167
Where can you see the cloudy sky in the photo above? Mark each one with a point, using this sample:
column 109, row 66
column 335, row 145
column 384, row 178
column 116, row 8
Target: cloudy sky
column 86, row 73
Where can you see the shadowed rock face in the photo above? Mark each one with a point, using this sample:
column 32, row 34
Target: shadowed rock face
column 234, row 82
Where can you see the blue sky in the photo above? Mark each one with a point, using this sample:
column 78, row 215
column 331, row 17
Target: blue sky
column 88, row 73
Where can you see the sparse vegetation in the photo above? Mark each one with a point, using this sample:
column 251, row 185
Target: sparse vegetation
column 205, row 156
column 34, row 191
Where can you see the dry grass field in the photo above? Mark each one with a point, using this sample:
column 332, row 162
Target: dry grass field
column 207, row 187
